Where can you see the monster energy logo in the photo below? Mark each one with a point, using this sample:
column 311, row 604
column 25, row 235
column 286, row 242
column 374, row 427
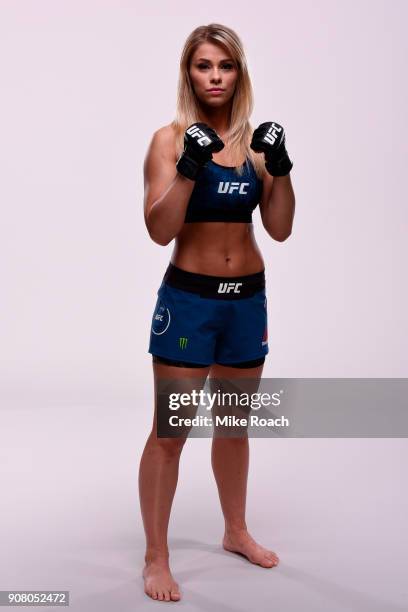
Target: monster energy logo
column 183, row 343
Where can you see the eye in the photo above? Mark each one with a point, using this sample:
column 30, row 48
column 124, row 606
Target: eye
column 227, row 66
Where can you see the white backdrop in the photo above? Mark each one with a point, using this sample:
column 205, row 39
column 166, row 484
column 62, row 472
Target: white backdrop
column 83, row 85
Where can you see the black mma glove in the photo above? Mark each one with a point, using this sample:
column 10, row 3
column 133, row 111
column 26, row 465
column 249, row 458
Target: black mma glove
column 200, row 142
column 269, row 138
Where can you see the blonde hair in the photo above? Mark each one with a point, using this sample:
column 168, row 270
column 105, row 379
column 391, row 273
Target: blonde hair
column 187, row 110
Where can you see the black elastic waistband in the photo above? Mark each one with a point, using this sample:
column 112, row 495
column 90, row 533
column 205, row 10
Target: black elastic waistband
column 216, row 287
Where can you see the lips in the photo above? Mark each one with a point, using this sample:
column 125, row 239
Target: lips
column 216, row 89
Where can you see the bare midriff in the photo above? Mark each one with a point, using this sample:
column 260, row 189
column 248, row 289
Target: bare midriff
column 218, row 249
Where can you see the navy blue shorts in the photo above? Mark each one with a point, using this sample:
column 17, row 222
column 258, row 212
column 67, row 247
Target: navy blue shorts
column 202, row 319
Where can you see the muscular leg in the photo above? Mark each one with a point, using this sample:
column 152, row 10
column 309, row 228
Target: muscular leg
column 158, row 476
column 230, row 461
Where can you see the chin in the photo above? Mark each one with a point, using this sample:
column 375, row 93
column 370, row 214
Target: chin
column 216, row 101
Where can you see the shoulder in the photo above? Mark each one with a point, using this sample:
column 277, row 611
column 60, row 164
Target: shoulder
column 160, row 158
column 164, row 141
column 167, row 133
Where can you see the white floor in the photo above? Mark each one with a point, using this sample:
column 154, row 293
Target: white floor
column 333, row 509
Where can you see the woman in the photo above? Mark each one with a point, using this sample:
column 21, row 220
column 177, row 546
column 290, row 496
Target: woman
column 204, row 175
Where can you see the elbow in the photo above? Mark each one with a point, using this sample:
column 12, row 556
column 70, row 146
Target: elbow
column 281, row 237
column 278, row 231
column 156, row 236
column 161, row 240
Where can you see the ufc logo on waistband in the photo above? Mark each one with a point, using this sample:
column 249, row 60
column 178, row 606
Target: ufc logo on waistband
column 227, row 187
column 195, row 132
column 272, row 134
column 227, row 287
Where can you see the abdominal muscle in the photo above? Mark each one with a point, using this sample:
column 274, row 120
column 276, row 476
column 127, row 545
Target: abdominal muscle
column 218, row 249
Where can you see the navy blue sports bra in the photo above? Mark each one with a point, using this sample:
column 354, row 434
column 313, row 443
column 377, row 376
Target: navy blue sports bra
column 220, row 194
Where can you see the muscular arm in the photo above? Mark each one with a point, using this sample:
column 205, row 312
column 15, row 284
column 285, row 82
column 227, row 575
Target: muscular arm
column 277, row 206
column 166, row 192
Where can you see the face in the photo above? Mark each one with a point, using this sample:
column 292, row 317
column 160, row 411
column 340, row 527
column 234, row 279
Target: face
column 213, row 74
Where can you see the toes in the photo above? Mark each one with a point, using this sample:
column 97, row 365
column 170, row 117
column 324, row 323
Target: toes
column 168, row 595
column 270, row 559
column 175, row 595
column 269, row 554
column 268, row 562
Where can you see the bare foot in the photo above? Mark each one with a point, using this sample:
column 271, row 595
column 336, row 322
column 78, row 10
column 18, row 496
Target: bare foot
column 159, row 583
column 242, row 542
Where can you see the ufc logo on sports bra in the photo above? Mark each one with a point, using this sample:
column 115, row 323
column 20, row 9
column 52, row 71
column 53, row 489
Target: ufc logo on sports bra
column 195, row 132
column 272, row 134
column 227, row 187
column 227, row 287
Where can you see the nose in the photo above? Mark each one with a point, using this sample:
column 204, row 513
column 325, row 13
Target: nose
column 215, row 76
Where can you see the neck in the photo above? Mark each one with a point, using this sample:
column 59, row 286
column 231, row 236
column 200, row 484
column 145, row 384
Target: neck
column 217, row 118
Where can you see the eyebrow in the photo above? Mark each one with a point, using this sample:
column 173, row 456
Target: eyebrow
column 204, row 59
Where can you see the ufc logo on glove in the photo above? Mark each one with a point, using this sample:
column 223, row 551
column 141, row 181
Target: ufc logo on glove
column 195, row 132
column 272, row 133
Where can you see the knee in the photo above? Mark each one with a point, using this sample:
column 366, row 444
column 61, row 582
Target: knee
column 168, row 448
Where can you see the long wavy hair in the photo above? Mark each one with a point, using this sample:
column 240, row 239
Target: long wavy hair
column 187, row 112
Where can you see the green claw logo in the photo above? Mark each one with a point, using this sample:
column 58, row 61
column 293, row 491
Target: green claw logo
column 183, row 343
